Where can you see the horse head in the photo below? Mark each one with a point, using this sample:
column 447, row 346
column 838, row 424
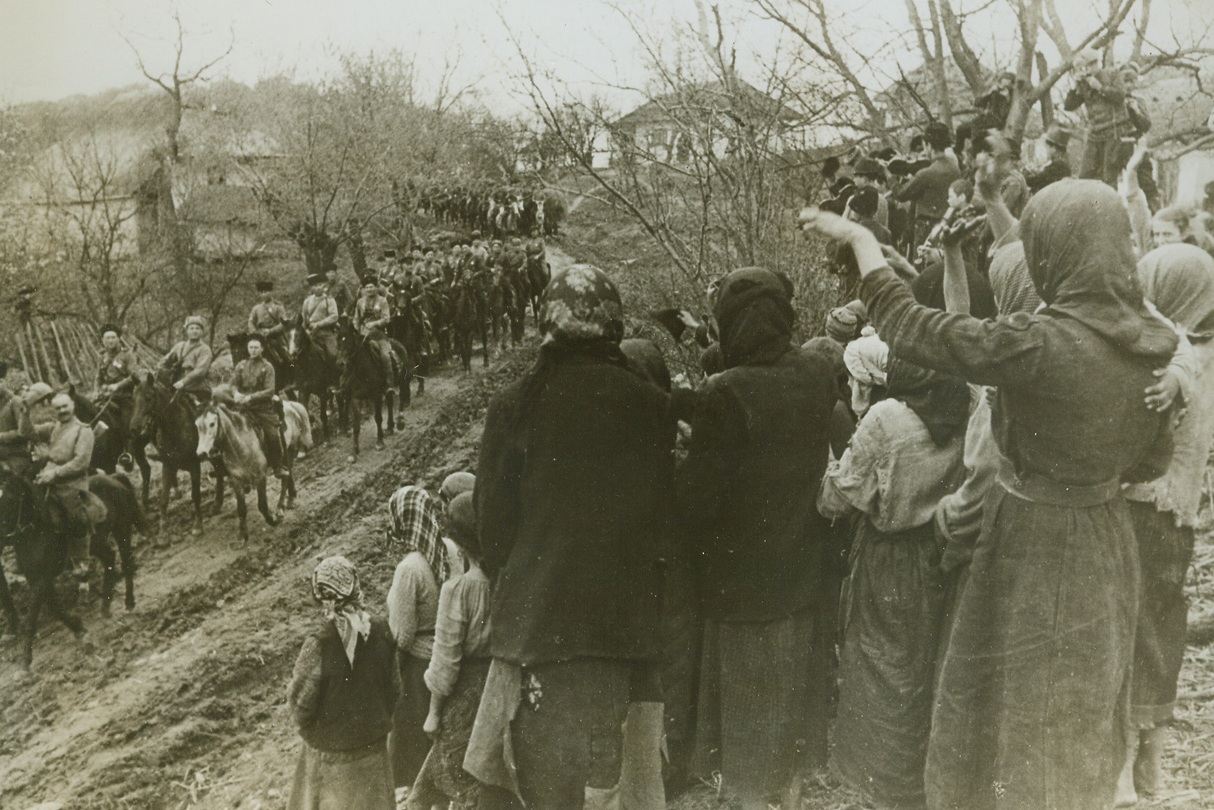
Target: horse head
column 238, row 345
column 208, row 431
column 144, row 405
column 298, row 340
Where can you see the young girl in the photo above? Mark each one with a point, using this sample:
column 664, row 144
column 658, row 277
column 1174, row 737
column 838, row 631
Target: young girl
column 458, row 665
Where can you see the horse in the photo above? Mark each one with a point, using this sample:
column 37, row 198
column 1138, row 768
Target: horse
column 229, row 441
column 312, row 374
column 539, row 273
column 367, row 381
column 116, row 444
column 163, row 417
column 238, row 345
column 42, row 551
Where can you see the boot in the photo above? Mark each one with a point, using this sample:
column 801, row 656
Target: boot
column 1148, row 768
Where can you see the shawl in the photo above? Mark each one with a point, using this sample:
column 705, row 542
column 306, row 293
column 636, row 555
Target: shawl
column 581, row 304
column 866, row 359
column 1077, row 244
column 335, row 586
column 940, row 401
column 1010, row 281
column 1179, row 280
column 755, row 315
column 414, row 518
column 645, row 358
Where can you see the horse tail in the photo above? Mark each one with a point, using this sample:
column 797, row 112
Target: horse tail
column 303, row 423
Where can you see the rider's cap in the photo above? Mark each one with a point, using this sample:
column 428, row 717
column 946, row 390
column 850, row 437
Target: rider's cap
column 195, row 320
column 111, row 327
column 37, row 392
column 316, row 278
column 264, row 286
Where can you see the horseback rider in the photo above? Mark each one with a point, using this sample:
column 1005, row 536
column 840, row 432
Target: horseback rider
column 253, row 380
column 268, row 321
column 14, row 442
column 188, row 363
column 115, row 380
column 66, row 444
column 319, row 315
column 371, row 316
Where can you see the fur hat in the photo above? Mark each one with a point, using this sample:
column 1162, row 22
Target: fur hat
column 195, row 320
column 264, row 286
column 316, row 278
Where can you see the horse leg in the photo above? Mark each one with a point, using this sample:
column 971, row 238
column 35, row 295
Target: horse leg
column 356, row 427
column 196, row 494
column 122, row 539
column 6, row 601
column 37, row 595
column 263, row 506
column 485, row 342
column 242, row 514
column 379, row 419
column 145, row 471
column 290, row 482
column 102, row 551
column 167, row 474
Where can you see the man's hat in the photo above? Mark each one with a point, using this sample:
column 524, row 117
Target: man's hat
column 867, row 167
column 37, row 392
column 316, row 278
column 264, row 286
column 1058, row 136
column 195, row 320
column 111, row 327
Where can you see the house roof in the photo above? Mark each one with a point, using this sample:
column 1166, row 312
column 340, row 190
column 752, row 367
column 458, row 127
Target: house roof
column 221, row 203
column 1176, row 101
column 748, row 103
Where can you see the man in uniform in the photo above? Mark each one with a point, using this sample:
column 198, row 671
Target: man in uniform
column 189, row 361
column 371, row 316
column 14, row 442
column 115, row 380
column 268, row 321
column 253, row 380
column 319, row 314
column 66, row 444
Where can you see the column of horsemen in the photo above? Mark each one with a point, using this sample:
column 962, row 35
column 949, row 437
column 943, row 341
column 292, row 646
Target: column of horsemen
column 417, row 308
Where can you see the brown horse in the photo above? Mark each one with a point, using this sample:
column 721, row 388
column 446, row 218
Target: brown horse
column 41, row 549
column 163, row 417
column 228, row 439
column 312, row 375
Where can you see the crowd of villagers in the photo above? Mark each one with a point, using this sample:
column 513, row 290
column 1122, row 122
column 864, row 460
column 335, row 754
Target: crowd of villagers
column 953, row 541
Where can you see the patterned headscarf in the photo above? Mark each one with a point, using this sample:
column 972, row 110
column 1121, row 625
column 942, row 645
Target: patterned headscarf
column 335, row 586
column 414, row 525
column 581, row 304
column 844, row 323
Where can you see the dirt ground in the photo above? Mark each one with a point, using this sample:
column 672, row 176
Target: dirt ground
column 180, row 702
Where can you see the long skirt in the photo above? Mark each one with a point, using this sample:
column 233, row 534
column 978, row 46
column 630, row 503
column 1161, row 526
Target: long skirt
column 340, row 780
column 444, row 768
column 1164, row 552
column 408, row 743
column 756, row 702
column 894, row 607
column 1032, row 705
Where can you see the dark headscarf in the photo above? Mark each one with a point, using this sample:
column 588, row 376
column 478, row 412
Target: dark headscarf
column 941, row 402
column 645, row 359
column 831, row 352
column 1179, row 280
column 1076, row 237
column 755, row 315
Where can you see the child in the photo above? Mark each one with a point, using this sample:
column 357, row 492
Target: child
column 458, row 665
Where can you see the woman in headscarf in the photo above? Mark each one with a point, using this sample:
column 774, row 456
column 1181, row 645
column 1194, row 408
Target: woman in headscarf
column 1034, row 687
column 341, row 695
column 904, row 457
column 1179, row 280
column 412, row 610
column 757, row 452
column 574, row 498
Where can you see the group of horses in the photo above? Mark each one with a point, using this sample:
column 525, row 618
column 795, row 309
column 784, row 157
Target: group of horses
column 501, row 212
column 185, row 434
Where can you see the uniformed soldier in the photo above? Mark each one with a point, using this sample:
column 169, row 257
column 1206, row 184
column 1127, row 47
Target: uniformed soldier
column 371, row 316
column 66, row 444
column 319, row 314
column 189, row 361
column 268, row 320
column 253, row 380
column 14, row 440
column 116, row 374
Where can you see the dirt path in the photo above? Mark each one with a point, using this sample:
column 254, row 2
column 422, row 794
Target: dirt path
column 180, row 703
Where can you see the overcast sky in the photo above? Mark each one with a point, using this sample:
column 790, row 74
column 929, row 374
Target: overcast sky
column 50, row 49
